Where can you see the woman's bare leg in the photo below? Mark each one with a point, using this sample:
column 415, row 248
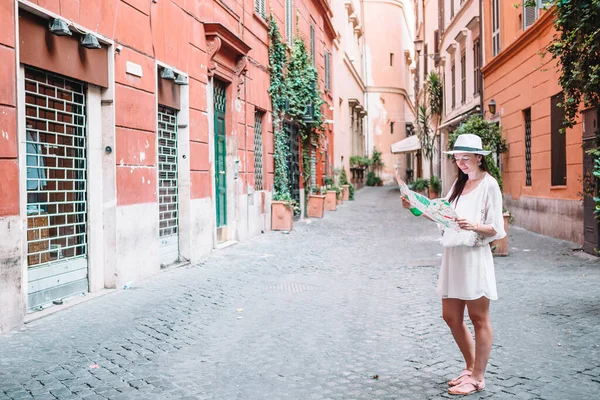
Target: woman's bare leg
column 479, row 313
column 453, row 311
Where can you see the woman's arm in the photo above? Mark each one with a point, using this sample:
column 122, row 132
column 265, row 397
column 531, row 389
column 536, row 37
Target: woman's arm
column 481, row 229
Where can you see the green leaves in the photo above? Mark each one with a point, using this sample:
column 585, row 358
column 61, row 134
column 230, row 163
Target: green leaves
column 577, row 48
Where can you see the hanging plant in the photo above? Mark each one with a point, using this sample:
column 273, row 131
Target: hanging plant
column 278, row 93
column 577, row 48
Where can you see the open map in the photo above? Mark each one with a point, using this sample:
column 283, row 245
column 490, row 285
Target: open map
column 439, row 210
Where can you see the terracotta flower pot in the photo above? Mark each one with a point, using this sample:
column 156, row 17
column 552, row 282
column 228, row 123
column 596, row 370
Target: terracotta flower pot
column 331, row 200
column 433, row 194
column 345, row 192
column 316, row 206
column 282, row 216
column 500, row 247
column 340, row 201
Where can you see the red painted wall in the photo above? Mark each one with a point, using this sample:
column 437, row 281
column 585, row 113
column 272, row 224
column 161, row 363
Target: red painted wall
column 172, row 32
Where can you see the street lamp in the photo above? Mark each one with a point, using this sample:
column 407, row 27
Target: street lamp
column 418, row 45
column 492, row 107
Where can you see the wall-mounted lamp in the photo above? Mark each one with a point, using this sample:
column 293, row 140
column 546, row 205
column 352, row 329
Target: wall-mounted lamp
column 90, row 41
column 181, row 80
column 168, row 74
column 418, row 45
column 59, row 27
column 492, row 107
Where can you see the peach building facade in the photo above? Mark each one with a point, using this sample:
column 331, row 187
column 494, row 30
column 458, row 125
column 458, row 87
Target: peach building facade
column 543, row 169
column 135, row 135
column 389, row 36
column 460, row 51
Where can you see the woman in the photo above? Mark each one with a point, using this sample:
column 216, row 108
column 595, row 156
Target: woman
column 467, row 273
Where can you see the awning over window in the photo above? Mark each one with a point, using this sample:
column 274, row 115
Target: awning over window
column 406, row 145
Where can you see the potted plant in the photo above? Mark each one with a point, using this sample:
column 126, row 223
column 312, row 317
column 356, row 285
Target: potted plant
column 435, row 187
column 316, row 203
column 282, row 215
column 330, row 194
column 345, row 185
column 420, row 185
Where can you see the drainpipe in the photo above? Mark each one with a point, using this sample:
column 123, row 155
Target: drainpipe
column 481, row 36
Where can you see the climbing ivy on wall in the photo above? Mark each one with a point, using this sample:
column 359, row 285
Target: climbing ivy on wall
column 294, row 91
column 577, row 48
column 278, row 93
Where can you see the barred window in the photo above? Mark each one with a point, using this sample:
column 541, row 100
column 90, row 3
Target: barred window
column 258, row 150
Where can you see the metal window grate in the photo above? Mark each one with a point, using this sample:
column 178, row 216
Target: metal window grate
column 55, row 110
column 463, row 78
column 168, row 186
column 258, row 151
column 527, row 146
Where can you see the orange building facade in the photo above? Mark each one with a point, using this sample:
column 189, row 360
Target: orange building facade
column 543, row 169
column 135, row 135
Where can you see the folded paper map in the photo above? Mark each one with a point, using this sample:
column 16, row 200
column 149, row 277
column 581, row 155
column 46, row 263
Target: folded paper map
column 439, row 210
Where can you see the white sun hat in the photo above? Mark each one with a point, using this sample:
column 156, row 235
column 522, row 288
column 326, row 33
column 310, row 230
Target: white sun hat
column 468, row 143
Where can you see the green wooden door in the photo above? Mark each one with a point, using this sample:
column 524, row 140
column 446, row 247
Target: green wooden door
column 220, row 102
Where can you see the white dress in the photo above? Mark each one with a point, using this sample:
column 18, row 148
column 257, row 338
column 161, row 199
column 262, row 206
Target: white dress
column 467, row 272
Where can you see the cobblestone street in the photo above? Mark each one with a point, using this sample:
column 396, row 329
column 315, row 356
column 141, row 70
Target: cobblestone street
column 340, row 308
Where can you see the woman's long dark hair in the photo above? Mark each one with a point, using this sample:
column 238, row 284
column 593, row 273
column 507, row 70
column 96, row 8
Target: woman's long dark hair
column 462, row 179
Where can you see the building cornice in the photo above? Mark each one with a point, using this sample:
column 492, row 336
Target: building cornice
column 531, row 34
column 354, row 72
column 387, row 89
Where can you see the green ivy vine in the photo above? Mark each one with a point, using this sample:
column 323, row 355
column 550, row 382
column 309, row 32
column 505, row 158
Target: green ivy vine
column 577, row 48
column 278, row 93
column 305, row 104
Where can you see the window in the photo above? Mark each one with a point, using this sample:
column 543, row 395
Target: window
column 391, row 59
column 289, row 22
column 313, row 52
column 260, row 6
column 436, row 47
column 327, row 70
column 495, row 27
column 258, row 150
column 425, row 60
column 453, row 73
column 476, row 67
column 451, row 9
column 392, row 127
column 463, row 78
column 527, row 118
column 530, row 14
column 558, row 143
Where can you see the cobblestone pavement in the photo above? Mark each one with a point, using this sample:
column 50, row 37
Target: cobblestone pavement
column 341, row 308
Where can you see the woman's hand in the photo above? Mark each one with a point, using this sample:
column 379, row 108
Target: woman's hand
column 463, row 223
column 405, row 203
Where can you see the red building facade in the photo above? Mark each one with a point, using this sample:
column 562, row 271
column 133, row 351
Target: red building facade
column 148, row 151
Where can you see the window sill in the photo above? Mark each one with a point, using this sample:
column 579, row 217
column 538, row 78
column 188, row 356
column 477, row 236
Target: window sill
column 261, row 20
column 558, row 187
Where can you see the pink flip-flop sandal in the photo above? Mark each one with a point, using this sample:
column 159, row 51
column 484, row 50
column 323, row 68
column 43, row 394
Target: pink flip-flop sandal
column 459, row 378
column 467, row 386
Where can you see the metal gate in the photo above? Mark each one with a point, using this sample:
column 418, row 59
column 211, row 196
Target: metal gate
column 56, row 161
column 168, row 185
column 294, row 160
